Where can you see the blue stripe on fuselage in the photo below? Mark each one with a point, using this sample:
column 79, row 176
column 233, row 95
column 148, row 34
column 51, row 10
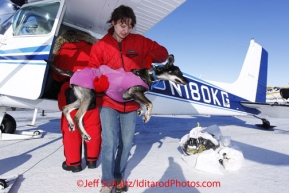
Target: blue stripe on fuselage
column 29, row 53
column 18, row 51
column 25, row 57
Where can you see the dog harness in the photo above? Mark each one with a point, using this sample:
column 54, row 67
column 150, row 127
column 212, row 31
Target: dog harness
column 119, row 80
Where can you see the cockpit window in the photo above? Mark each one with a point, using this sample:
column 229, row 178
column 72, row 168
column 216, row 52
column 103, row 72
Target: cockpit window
column 7, row 10
column 35, row 20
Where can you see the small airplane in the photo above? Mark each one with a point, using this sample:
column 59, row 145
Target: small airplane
column 28, row 36
column 277, row 95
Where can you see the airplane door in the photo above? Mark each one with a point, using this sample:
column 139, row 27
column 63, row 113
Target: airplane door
column 25, row 45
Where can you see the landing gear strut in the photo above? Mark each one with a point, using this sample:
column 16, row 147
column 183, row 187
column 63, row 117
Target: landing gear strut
column 265, row 123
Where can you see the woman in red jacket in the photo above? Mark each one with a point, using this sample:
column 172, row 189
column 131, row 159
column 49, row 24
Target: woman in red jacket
column 121, row 49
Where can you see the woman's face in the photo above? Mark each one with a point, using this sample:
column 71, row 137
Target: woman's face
column 121, row 30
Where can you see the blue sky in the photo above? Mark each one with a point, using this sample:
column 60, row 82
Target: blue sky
column 210, row 38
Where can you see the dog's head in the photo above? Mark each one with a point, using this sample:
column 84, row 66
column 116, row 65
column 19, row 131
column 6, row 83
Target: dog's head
column 143, row 74
column 170, row 72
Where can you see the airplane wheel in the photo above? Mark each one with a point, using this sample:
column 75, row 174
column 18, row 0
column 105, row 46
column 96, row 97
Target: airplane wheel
column 3, row 184
column 8, row 124
column 36, row 133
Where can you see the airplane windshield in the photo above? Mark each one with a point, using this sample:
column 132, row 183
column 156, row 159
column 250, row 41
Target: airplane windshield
column 35, row 20
column 7, row 9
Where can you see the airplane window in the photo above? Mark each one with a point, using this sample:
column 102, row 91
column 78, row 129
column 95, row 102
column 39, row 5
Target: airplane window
column 5, row 22
column 35, row 20
column 35, row 25
column 7, row 9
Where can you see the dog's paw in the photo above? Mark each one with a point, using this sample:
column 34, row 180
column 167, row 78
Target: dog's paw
column 86, row 137
column 139, row 112
column 146, row 118
column 71, row 127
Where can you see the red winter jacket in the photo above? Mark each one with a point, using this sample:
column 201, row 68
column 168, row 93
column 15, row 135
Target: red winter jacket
column 71, row 56
column 129, row 54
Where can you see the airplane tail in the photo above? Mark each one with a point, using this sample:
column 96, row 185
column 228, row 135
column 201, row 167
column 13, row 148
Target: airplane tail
column 252, row 81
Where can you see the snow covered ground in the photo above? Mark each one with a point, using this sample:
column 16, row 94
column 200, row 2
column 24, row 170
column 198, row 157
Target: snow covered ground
column 156, row 157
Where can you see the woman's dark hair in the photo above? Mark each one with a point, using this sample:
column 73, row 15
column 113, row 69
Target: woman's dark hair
column 123, row 13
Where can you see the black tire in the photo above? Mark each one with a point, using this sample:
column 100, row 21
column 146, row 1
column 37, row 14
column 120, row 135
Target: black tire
column 8, row 124
column 3, row 184
column 36, row 133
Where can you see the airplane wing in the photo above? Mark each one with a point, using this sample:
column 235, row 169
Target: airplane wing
column 271, row 110
column 93, row 15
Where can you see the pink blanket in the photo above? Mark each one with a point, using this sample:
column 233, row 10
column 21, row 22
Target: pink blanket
column 119, row 80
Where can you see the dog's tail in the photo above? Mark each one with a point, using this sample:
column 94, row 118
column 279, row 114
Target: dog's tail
column 63, row 72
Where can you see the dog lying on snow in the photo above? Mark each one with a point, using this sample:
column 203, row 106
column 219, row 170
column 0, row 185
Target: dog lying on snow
column 123, row 86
